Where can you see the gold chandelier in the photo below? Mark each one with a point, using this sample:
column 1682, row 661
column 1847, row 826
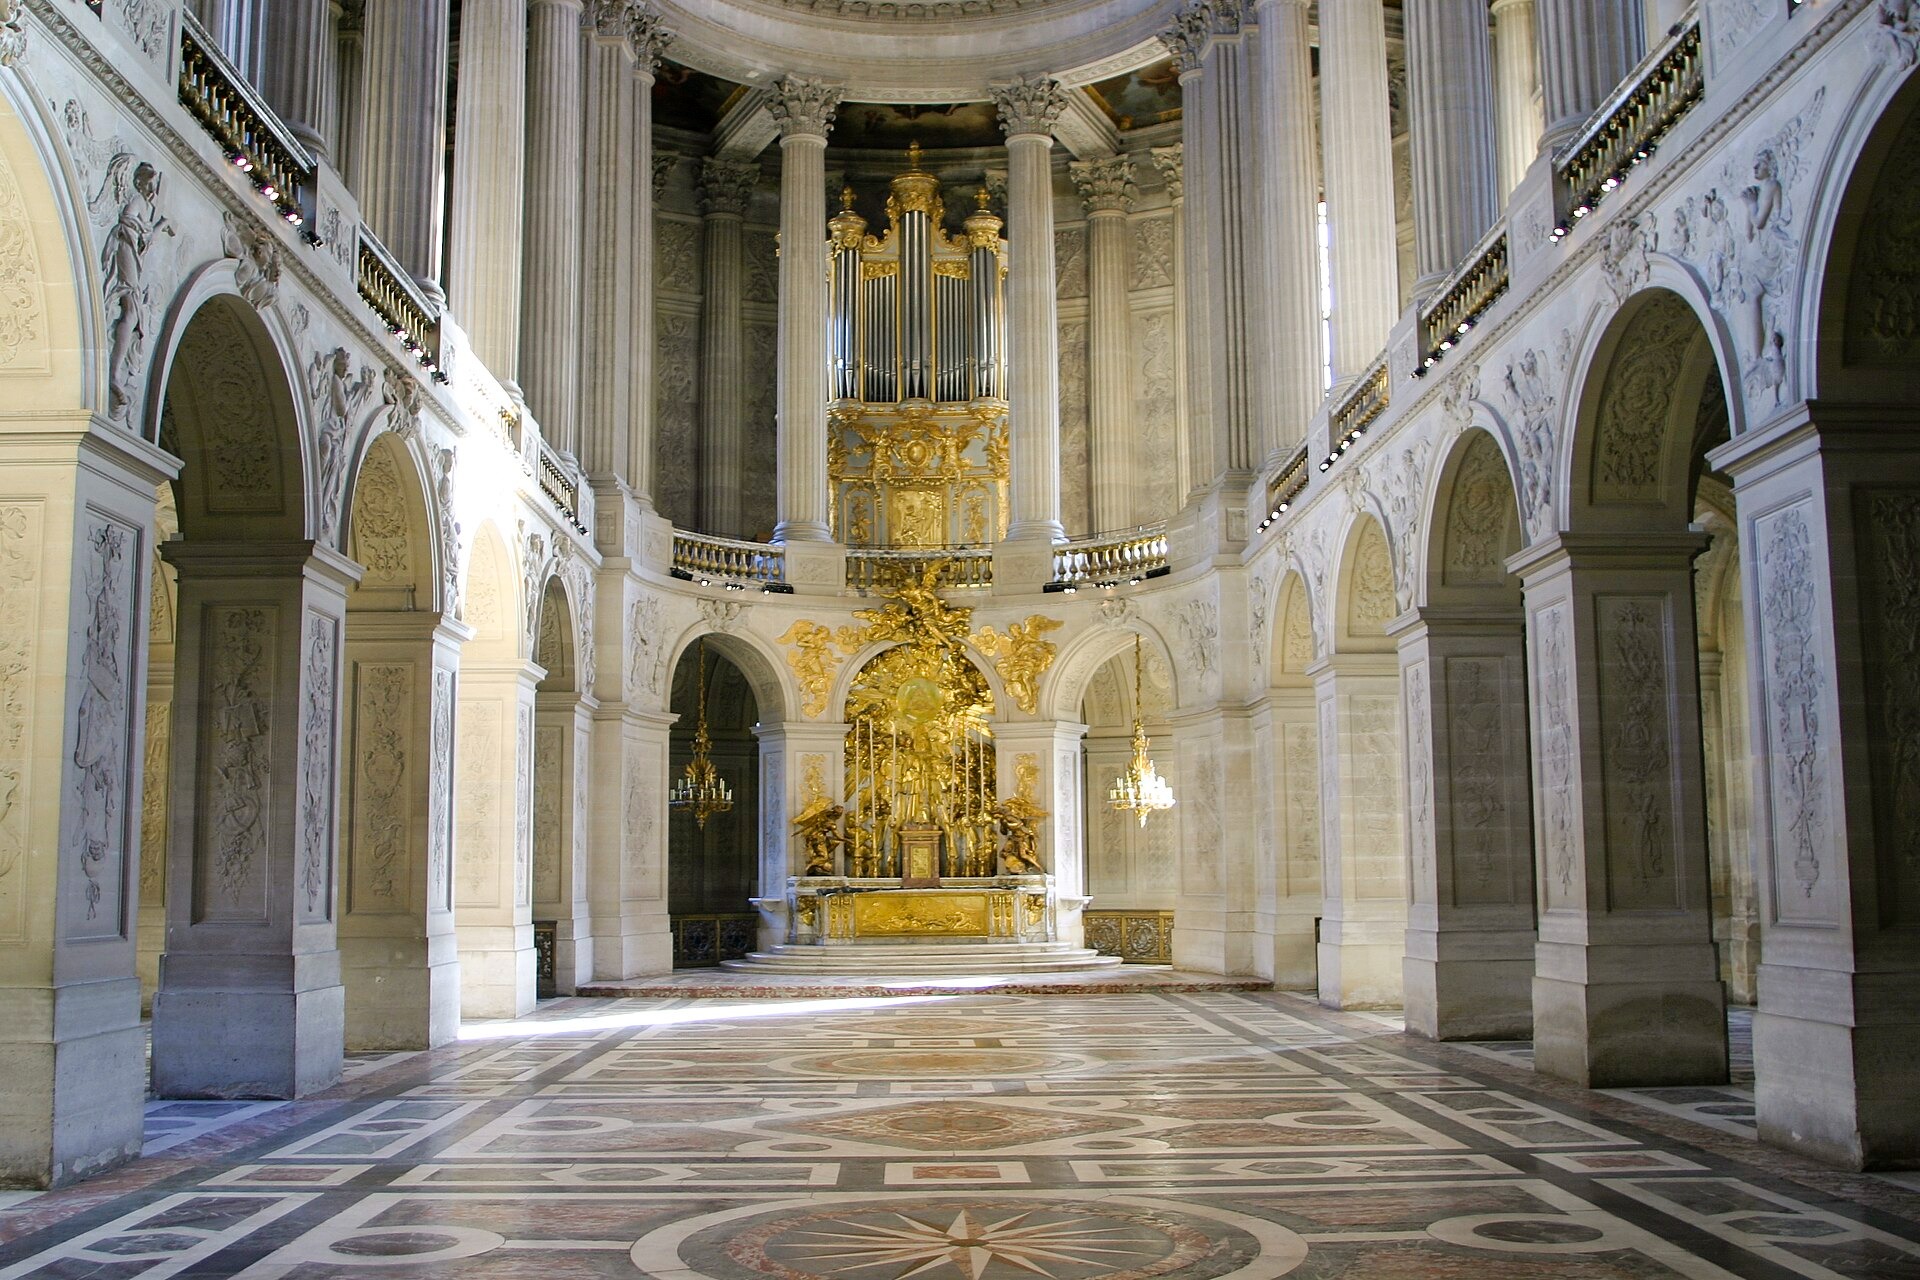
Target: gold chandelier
column 1140, row 791
column 701, row 788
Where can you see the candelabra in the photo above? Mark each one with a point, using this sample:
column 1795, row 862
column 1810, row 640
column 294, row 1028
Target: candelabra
column 701, row 788
column 1141, row 790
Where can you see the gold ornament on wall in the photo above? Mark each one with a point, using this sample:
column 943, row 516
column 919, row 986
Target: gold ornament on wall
column 812, row 658
column 1021, row 656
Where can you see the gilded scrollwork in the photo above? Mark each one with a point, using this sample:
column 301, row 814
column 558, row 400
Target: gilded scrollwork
column 1021, row 656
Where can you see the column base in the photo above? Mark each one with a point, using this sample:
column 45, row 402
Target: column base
column 1293, row 960
column 246, row 1043
column 401, row 993
column 1470, row 985
column 572, row 955
column 634, row 945
column 1621, row 1035
column 497, row 971
column 71, row 1108
column 1360, row 974
column 1839, row 1091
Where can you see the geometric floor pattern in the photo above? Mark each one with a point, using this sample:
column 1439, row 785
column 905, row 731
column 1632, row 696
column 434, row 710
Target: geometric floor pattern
column 974, row 1137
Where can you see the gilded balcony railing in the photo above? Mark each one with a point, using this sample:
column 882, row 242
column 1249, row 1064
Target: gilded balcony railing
column 1365, row 401
column 1459, row 306
column 399, row 303
column 729, row 562
column 250, row 135
column 1110, row 558
column 1287, row 484
column 1625, row 131
column 561, row 484
column 961, row 567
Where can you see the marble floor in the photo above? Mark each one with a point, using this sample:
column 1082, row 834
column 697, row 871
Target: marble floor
column 979, row 1136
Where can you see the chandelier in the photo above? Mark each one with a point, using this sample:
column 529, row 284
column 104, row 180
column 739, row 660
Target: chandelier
column 1140, row 790
column 701, row 788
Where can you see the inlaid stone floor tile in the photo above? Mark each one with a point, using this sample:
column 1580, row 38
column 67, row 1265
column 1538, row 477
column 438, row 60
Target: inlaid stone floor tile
column 1201, row 1135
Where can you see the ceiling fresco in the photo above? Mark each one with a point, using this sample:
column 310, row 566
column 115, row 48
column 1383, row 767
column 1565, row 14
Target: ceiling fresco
column 1140, row 98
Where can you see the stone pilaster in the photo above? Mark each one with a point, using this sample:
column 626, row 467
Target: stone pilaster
column 489, row 162
column 611, row 268
column 402, row 143
column 1450, row 80
column 1828, row 501
column 1287, row 353
column 649, row 44
column 493, row 858
column 1049, row 755
column 1170, row 163
column 628, row 837
column 1214, row 780
column 295, row 67
column 1586, row 49
column 563, row 744
column 250, row 1001
column 399, row 958
column 1357, row 123
column 1470, row 941
column 550, row 339
column 726, row 189
column 1516, row 86
column 1364, row 922
column 804, row 110
column 1626, row 990
column 1107, row 187
column 789, row 753
column 1029, row 108
column 1286, row 768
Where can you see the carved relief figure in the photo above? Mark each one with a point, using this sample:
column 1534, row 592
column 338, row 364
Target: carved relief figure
column 819, row 829
column 129, row 195
column 1895, row 34
column 1533, row 404
column 256, row 255
column 100, row 738
column 337, row 397
column 1021, row 657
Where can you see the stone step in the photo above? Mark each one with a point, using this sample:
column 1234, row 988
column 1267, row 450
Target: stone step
column 910, row 958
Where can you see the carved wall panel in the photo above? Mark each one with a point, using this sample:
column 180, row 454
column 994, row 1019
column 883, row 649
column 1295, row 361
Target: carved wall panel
column 1370, row 601
column 235, row 770
column 378, row 875
column 477, row 847
column 1554, row 682
column 1796, row 684
column 100, row 828
column 1156, row 415
column 440, row 797
column 676, row 418
column 1153, row 251
column 155, row 773
column 1300, row 769
column 23, row 302
column 644, row 809
column 549, row 741
column 1883, row 325
column 676, row 256
column 523, row 807
column 757, row 470
column 1479, row 761
column 319, row 722
column 1074, row 487
column 20, row 549
column 1889, row 539
column 1636, row 766
column 1200, row 826
column 1480, row 517
column 1630, row 434
column 1070, row 261
column 216, row 385
column 1374, row 807
column 1419, row 713
column 1066, row 815
column 379, row 535
column 759, row 253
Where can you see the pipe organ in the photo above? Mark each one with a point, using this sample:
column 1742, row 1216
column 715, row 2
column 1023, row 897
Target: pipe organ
column 917, row 335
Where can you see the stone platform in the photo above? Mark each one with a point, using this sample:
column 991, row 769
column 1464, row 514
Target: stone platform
column 720, row 984
column 921, row 957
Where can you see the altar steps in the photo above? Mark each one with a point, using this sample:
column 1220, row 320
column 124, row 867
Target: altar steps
column 918, row 958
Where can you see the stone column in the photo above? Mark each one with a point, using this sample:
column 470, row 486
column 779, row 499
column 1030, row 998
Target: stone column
column 1029, row 108
column 1454, row 192
column 403, row 132
column 610, row 269
column 1516, row 84
column 1626, row 991
column 399, row 957
column 1827, row 508
column 1470, row 941
column 649, row 44
column 1586, row 49
column 1287, row 354
column 1107, row 187
column 78, row 510
column 1363, row 876
column 1356, row 120
column 1169, row 161
column 295, row 69
column 726, row 189
column 550, row 303
column 489, row 162
column 493, row 858
column 250, row 1001
column 804, row 110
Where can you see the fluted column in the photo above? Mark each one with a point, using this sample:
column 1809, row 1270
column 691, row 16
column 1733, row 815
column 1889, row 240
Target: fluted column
column 403, row 136
column 609, row 268
column 1170, row 161
column 804, row 111
column 294, row 68
column 489, row 159
column 1448, row 75
column 1516, row 86
column 550, row 302
column 1586, row 49
column 648, row 43
column 1029, row 108
column 1107, row 187
column 1356, row 120
column 726, row 188
column 1288, row 346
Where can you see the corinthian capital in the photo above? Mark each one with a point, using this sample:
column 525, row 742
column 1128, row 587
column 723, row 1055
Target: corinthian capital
column 1171, row 162
column 804, row 107
column 648, row 39
column 726, row 186
column 1031, row 104
column 1106, row 185
column 1194, row 28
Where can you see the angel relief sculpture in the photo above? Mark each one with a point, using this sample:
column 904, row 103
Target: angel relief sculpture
column 128, row 203
column 819, row 828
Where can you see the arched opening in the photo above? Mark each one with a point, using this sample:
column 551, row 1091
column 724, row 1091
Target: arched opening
column 1470, row 926
column 1290, row 814
column 713, row 867
column 562, row 753
column 1133, row 867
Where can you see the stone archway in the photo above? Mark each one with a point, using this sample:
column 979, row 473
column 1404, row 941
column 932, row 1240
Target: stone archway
column 1132, row 867
column 713, row 871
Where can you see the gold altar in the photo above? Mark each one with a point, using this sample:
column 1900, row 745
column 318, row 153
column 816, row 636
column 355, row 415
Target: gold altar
column 833, row 909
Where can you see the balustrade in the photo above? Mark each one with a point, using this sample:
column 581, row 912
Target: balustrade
column 1105, row 560
column 728, row 561
column 961, row 566
column 399, row 303
column 1623, row 133
column 1460, row 304
column 249, row 133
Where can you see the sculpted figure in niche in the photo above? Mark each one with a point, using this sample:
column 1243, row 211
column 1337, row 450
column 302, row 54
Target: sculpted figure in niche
column 135, row 188
column 819, row 828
